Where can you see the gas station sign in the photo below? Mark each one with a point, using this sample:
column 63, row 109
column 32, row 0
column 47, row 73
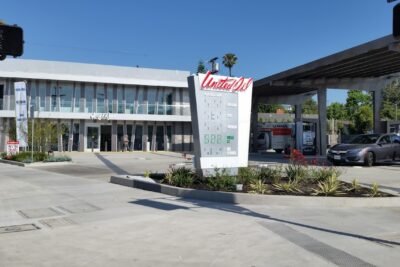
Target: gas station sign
column 220, row 108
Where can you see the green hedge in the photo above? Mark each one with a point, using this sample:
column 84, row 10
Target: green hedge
column 26, row 157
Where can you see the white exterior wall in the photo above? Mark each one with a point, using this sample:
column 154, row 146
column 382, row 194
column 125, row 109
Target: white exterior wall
column 54, row 76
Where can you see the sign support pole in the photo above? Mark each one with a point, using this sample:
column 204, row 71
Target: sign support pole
column 32, row 110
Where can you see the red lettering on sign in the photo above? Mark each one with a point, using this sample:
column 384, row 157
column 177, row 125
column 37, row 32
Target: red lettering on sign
column 281, row 131
column 230, row 84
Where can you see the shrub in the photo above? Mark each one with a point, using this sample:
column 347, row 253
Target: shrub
column 375, row 190
column 296, row 172
column 3, row 155
column 330, row 187
column 355, row 186
column 181, row 177
column 323, row 174
column 221, row 181
column 258, row 187
column 26, row 156
column 146, row 174
column 271, row 174
column 246, row 175
column 296, row 157
column 287, row 187
column 57, row 159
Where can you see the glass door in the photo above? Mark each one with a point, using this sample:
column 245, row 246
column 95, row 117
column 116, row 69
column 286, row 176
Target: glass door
column 160, row 137
column 92, row 138
column 138, row 144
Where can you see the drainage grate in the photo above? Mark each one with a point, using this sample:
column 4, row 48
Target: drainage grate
column 79, row 208
column 334, row 255
column 18, row 228
column 57, row 222
column 39, row 213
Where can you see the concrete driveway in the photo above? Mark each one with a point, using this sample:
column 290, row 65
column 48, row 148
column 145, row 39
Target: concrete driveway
column 103, row 165
column 74, row 221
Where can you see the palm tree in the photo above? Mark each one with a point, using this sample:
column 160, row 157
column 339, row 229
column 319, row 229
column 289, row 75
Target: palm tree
column 229, row 60
column 201, row 68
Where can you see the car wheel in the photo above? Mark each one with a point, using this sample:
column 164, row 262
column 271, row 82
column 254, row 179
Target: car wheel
column 278, row 151
column 336, row 163
column 369, row 159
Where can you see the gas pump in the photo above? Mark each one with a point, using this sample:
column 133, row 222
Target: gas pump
column 309, row 145
column 393, row 127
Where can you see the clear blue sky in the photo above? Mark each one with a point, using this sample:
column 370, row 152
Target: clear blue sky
column 268, row 36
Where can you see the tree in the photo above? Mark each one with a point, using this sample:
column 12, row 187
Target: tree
column 391, row 101
column 201, row 68
column 363, row 119
column 359, row 110
column 336, row 111
column 229, row 60
column 355, row 100
column 45, row 134
column 269, row 108
column 310, row 107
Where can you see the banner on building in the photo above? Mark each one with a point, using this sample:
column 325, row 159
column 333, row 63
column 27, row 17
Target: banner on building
column 21, row 114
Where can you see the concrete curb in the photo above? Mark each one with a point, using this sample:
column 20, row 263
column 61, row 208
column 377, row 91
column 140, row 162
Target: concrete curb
column 245, row 198
column 36, row 164
column 11, row 162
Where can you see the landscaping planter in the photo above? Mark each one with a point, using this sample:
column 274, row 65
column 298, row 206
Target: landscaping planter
column 258, row 199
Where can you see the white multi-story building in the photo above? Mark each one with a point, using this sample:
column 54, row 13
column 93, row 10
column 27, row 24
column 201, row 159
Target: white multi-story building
column 100, row 107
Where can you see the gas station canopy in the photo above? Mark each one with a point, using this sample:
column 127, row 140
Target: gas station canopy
column 375, row 60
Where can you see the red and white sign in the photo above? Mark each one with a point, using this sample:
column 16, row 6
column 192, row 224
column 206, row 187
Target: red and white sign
column 12, row 148
column 224, row 83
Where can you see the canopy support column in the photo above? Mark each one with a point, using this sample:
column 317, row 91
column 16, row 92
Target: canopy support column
column 377, row 100
column 322, row 122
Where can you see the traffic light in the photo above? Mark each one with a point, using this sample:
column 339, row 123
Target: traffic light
column 396, row 21
column 11, row 41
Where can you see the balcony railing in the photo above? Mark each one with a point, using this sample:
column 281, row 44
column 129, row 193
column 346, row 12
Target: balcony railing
column 101, row 107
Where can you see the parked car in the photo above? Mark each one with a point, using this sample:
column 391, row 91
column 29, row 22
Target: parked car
column 366, row 149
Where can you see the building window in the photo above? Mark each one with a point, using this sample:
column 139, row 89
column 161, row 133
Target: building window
column 89, row 94
column 120, row 99
column 53, row 96
column 100, row 97
column 77, row 98
column 66, row 90
column 149, row 137
column 32, row 93
column 160, row 102
column 42, row 96
column 185, row 103
column 129, row 100
column 168, row 101
column 151, row 100
column 110, row 97
column 140, row 108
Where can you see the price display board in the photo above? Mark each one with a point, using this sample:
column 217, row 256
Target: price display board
column 220, row 108
column 219, row 131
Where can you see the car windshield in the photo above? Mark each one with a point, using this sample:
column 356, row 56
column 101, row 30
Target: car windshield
column 365, row 139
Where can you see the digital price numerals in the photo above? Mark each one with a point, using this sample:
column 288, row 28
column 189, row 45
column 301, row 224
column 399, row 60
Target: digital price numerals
column 217, row 139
